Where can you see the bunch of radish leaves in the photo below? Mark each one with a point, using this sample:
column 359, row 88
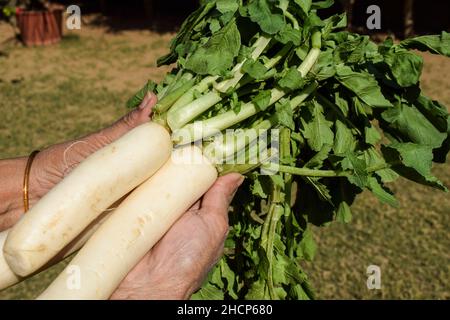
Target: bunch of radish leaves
column 349, row 112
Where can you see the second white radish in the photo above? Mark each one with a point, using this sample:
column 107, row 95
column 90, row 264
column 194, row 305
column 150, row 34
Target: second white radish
column 9, row 278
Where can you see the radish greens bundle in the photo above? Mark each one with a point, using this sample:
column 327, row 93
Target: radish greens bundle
column 350, row 116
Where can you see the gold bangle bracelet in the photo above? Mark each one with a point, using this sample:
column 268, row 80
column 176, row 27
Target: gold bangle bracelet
column 26, row 179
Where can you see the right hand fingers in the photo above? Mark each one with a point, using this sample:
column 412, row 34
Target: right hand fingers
column 216, row 201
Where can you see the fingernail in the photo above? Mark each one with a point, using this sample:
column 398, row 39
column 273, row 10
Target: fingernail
column 240, row 181
column 147, row 99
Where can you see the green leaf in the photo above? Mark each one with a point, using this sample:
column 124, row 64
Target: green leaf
column 214, row 25
column 279, row 270
column 341, row 103
column 374, row 158
column 289, row 35
column 408, row 124
column 435, row 112
column 260, row 187
column 363, row 85
column 305, row 5
column 257, row 291
column 299, row 293
column 406, row 67
column 438, row 115
column 344, row 213
column 337, row 21
column 351, row 51
column 382, row 193
column 438, row 44
column 307, row 246
column 344, row 141
column 387, row 175
column 262, row 100
column 416, row 160
column 316, row 162
column 286, row 271
column 215, row 277
column 294, row 272
column 284, row 115
column 318, row 131
column 359, row 168
column 322, row 190
column 324, row 68
column 185, row 32
column 277, row 180
column 208, row 292
column 371, row 134
column 226, row 6
column 217, row 55
column 254, row 69
column 292, row 80
column 261, row 13
column 229, row 276
column 362, row 110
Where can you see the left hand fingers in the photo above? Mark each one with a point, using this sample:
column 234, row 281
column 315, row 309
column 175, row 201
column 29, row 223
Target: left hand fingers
column 131, row 120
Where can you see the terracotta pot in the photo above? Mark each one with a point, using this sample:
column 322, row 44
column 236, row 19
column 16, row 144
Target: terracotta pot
column 40, row 27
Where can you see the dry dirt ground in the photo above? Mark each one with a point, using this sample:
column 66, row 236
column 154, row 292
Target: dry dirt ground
column 52, row 94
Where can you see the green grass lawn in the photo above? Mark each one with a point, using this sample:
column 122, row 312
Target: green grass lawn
column 51, row 94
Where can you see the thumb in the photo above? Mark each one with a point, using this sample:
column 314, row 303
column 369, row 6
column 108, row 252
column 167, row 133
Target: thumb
column 218, row 198
column 136, row 117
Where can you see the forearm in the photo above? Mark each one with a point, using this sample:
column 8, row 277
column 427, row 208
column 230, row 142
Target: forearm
column 11, row 194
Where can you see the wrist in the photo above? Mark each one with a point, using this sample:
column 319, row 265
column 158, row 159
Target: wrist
column 168, row 281
column 159, row 288
column 150, row 282
column 37, row 183
column 165, row 287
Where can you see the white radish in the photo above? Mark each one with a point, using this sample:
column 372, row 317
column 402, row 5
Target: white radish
column 134, row 228
column 9, row 278
column 95, row 184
